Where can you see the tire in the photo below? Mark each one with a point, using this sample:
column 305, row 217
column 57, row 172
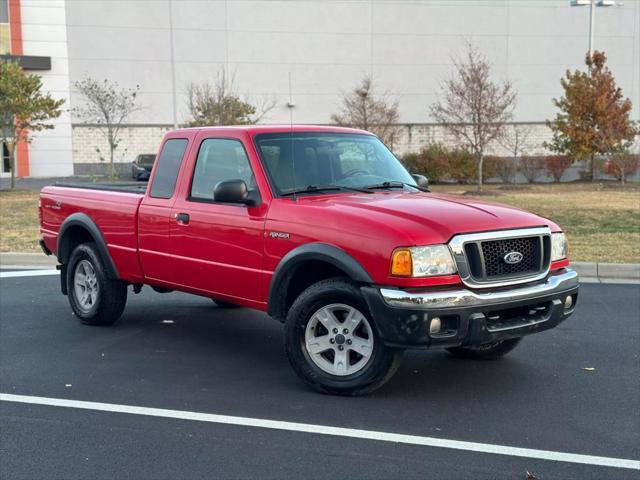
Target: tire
column 107, row 297
column 489, row 351
column 334, row 300
column 222, row 304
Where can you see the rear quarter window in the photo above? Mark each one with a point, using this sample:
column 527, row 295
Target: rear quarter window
column 167, row 168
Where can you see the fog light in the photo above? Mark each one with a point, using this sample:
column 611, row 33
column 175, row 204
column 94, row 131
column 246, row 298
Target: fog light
column 568, row 302
column 435, row 325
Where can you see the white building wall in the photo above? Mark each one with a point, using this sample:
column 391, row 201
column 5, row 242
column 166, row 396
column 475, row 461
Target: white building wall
column 326, row 45
column 44, row 33
column 329, row 45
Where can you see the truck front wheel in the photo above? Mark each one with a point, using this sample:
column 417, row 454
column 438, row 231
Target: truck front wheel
column 94, row 298
column 332, row 342
column 488, row 351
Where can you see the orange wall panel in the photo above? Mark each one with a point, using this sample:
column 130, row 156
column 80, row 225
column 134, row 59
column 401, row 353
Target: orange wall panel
column 15, row 25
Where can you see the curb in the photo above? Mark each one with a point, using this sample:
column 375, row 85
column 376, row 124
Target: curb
column 27, row 260
column 588, row 271
column 607, row 272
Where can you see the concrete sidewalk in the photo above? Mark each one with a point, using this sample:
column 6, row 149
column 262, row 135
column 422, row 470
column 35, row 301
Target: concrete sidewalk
column 589, row 272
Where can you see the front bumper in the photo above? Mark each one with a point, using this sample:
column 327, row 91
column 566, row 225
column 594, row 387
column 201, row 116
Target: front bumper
column 471, row 317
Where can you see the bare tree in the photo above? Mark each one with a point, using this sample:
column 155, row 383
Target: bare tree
column 108, row 106
column 531, row 167
column 361, row 108
column 622, row 165
column 472, row 107
column 220, row 104
column 517, row 141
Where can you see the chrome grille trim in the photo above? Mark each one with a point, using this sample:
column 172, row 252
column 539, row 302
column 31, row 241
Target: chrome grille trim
column 457, row 247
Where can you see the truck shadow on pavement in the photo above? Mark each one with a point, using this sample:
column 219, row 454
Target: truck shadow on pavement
column 252, row 344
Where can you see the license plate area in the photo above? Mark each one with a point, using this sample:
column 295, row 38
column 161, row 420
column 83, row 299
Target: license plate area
column 517, row 317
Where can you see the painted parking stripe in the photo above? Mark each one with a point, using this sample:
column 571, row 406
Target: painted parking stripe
column 328, row 430
column 29, row 273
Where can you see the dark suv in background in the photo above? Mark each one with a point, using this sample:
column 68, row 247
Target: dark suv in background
column 141, row 166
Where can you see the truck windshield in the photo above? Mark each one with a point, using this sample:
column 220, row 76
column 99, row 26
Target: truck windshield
column 311, row 162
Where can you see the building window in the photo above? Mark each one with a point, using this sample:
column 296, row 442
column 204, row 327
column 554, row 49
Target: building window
column 5, row 37
column 5, row 166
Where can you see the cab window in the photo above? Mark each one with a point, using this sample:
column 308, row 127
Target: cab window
column 219, row 159
column 167, row 168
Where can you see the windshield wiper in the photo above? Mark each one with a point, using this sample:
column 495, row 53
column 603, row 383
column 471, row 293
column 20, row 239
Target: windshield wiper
column 308, row 189
column 323, row 188
column 394, row 184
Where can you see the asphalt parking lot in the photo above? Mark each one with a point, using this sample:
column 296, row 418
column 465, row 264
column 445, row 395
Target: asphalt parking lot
column 574, row 389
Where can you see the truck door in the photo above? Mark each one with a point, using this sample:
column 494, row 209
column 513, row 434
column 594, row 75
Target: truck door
column 217, row 248
column 154, row 214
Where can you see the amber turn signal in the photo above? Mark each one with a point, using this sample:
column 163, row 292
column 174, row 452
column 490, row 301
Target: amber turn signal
column 401, row 264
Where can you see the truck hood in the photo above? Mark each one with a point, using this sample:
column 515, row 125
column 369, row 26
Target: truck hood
column 432, row 218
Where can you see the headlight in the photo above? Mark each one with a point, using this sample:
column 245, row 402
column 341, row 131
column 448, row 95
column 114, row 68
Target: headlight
column 422, row 261
column 558, row 246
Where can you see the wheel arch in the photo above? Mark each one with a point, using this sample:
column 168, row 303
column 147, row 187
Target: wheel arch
column 80, row 228
column 305, row 265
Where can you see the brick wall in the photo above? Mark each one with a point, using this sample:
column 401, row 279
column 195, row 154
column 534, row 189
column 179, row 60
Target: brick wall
column 134, row 140
column 137, row 139
column 412, row 137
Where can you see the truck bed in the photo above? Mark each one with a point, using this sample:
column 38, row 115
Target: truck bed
column 112, row 207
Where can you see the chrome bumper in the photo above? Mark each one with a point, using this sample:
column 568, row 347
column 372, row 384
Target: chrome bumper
column 461, row 298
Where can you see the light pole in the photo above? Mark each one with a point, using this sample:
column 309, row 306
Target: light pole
column 173, row 69
column 592, row 15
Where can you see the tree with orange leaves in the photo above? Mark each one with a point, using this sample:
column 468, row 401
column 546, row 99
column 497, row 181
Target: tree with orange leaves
column 594, row 117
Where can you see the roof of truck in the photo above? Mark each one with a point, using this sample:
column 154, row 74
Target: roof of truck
column 257, row 129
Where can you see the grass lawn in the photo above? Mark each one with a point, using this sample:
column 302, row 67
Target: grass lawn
column 602, row 222
column 19, row 228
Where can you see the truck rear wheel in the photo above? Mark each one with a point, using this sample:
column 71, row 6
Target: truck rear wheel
column 332, row 342
column 94, row 298
column 489, row 351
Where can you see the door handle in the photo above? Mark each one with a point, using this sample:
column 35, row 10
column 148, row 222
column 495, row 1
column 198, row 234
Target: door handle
column 182, row 218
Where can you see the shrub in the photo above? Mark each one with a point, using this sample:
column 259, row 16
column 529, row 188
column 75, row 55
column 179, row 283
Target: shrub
column 556, row 166
column 531, row 167
column 504, row 168
column 430, row 161
column 438, row 162
column 622, row 165
column 461, row 166
column 490, row 166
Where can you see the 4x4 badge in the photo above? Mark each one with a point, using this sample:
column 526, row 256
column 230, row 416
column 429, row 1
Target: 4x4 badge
column 512, row 258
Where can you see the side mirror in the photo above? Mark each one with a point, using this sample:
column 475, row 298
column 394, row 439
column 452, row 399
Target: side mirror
column 421, row 180
column 232, row 191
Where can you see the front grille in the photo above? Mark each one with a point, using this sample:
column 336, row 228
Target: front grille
column 486, row 258
column 494, row 252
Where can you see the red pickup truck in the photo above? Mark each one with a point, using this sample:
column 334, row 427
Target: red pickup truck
column 323, row 229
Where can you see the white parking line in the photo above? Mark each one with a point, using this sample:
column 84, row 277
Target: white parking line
column 328, row 430
column 29, row 273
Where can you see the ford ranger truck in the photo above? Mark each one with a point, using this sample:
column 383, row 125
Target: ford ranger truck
column 323, row 229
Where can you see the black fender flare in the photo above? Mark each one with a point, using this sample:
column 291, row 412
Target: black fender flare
column 84, row 221
column 276, row 302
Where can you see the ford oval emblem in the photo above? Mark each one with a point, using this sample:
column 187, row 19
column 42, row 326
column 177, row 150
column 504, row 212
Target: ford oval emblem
column 512, row 258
